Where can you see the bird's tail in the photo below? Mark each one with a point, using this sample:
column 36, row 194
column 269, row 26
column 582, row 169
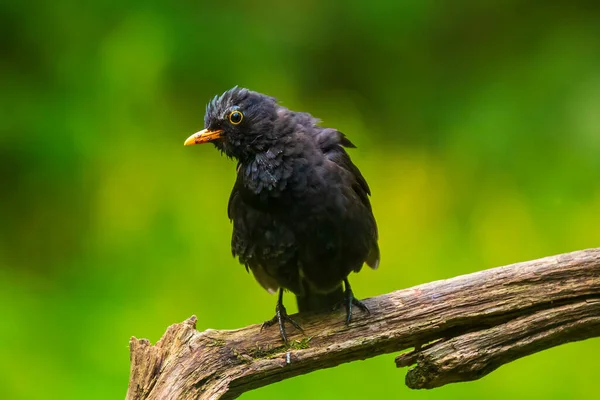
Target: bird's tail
column 313, row 301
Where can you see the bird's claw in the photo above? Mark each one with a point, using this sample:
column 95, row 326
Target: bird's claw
column 349, row 301
column 280, row 318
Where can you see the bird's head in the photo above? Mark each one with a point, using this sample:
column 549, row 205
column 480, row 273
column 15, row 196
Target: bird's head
column 239, row 123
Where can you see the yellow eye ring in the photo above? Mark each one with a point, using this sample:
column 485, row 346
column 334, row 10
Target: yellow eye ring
column 236, row 117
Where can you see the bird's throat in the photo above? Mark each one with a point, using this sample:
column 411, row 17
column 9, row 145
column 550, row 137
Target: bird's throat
column 264, row 174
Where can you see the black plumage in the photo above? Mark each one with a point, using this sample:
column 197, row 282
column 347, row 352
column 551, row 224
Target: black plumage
column 302, row 218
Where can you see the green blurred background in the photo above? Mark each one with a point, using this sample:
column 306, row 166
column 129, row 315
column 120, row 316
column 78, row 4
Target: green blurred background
column 477, row 125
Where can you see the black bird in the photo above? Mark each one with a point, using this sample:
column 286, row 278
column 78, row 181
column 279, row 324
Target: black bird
column 302, row 219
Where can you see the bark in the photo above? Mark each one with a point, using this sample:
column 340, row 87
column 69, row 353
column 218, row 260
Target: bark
column 461, row 329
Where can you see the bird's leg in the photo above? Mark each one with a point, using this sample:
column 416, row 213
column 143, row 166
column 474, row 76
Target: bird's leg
column 350, row 300
column 280, row 317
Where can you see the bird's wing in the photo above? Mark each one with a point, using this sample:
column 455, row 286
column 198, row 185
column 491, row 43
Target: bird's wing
column 333, row 143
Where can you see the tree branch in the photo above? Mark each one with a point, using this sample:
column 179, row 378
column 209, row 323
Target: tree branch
column 461, row 329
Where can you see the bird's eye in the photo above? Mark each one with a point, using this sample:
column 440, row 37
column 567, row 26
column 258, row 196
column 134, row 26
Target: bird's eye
column 235, row 117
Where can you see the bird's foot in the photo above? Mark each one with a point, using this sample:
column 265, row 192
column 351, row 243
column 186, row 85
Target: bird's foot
column 280, row 318
column 350, row 300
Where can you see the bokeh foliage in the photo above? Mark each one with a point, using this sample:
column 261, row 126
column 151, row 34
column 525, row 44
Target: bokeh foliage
column 477, row 125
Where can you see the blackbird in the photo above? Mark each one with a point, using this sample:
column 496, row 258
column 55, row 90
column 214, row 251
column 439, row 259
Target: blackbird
column 302, row 218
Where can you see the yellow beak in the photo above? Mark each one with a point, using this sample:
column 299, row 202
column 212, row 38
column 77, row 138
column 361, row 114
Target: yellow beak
column 204, row 136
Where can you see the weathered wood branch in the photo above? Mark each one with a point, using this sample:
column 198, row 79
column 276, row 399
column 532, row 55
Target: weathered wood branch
column 461, row 329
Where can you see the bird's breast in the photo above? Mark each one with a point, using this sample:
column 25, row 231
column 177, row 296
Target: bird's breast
column 298, row 186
